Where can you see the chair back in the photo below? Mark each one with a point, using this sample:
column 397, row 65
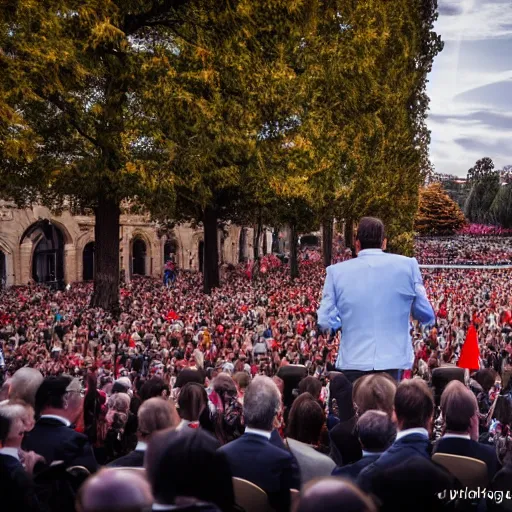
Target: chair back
column 249, row 496
column 471, row 473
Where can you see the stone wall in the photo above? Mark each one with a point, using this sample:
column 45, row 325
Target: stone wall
column 23, row 231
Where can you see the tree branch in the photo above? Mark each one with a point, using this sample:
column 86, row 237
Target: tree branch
column 160, row 9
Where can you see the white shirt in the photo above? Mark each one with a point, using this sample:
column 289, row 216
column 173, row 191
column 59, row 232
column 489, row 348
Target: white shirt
column 141, row 446
column 11, row 452
column 456, row 436
column 410, row 431
column 65, row 421
column 258, row 432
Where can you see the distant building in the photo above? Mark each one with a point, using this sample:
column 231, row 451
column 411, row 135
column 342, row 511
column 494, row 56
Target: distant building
column 36, row 245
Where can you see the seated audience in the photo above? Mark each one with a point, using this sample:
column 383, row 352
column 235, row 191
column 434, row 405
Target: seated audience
column 376, row 433
column 17, row 489
column 460, row 413
column 58, row 405
column 305, row 424
column 113, row 490
column 414, row 409
column 253, row 457
column 154, row 415
column 333, row 495
column 187, row 472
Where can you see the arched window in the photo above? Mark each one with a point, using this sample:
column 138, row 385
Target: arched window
column 241, row 245
column 48, row 257
column 170, row 250
column 88, row 262
column 139, row 257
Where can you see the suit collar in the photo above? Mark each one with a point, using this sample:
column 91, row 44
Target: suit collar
column 412, row 431
column 54, row 417
column 52, row 421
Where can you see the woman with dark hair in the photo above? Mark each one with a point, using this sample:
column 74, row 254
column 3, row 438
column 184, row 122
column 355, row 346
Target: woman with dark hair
column 228, row 411
column 310, row 385
column 192, row 401
column 345, row 447
column 305, row 423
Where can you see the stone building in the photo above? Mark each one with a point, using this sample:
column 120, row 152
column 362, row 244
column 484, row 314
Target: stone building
column 35, row 244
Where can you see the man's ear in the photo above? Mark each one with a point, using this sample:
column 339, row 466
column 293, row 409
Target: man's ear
column 358, row 246
column 385, row 244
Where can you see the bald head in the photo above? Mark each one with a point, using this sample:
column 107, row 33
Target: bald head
column 333, row 494
column 115, row 490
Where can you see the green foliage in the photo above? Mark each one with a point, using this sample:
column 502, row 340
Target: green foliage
column 483, row 192
column 501, row 208
column 437, row 214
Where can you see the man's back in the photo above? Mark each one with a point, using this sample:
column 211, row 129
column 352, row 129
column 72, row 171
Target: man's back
column 254, row 458
column 374, row 295
column 55, row 441
column 469, row 448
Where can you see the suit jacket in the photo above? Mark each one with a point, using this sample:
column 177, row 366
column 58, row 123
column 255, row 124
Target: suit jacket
column 407, row 447
column 17, row 491
column 312, row 464
column 254, row 458
column 469, row 448
column 345, row 446
column 352, row 470
column 54, row 441
column 133, row 459
column 372, row 298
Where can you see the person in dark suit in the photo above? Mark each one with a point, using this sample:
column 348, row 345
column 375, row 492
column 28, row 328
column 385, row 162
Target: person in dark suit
column 460, row 413
column 414, row 409
column 17, row 490
column 376, row 434
column 154, row 414
column 58, row 405
column 253, row 457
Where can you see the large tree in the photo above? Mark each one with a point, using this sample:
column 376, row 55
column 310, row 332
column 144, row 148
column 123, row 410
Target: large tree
column 438, row 214
column 75, row 129
column 484, row 183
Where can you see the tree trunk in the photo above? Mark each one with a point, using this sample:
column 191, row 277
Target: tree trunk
column 275, row 241
column 294, row 264
column 256, row 241
column 106, row 235
column 211, row 252
column 349, row 234
column 327, row 228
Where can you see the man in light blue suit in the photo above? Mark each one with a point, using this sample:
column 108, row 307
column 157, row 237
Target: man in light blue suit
column 372, row 298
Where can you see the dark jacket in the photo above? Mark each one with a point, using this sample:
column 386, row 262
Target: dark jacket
column 133, row 459
column 54, row 441
column 412, row 445
column 17, row 491
column 254, row 458
column 352, row 470
column 469, row 448
column 345, row 446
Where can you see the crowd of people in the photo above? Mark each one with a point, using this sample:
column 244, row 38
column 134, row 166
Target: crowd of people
column 464, row 250
column 204, row 390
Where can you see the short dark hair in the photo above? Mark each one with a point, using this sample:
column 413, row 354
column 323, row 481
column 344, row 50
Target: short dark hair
column 306, row 419
column 152, row 388
column 414, row 404
column 458, row 405
column 370, row 233
column 51, row 393
column 310, row 385
column 376, row 431
column 176, row 459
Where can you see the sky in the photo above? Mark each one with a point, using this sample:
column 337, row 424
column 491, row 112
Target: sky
column 470, row 86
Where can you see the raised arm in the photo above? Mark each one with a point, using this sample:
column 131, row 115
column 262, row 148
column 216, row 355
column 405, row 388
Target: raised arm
column 421, row 308
column 328, row 314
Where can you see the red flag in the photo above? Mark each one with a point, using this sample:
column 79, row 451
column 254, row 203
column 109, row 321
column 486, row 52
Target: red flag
column 470, row 352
